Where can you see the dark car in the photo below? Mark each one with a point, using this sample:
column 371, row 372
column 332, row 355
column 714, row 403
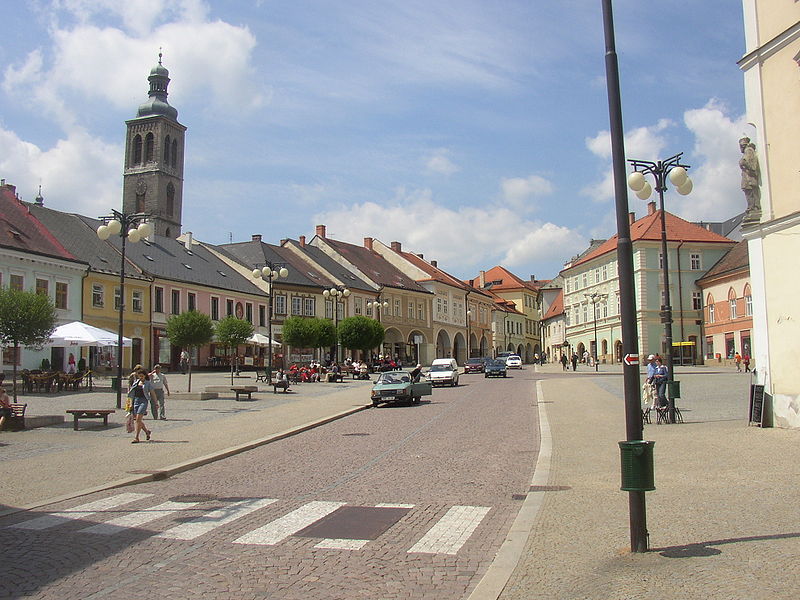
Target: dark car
column 495, row 368
column 474, row 365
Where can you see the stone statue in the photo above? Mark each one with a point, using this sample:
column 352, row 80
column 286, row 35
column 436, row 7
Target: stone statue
column 751, row 180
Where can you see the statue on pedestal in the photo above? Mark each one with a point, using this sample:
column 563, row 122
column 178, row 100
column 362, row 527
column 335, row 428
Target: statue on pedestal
column 751, row 180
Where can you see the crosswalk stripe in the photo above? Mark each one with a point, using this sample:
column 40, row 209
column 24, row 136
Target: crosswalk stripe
column 451, row 531
column 138, row 518
column 80, row 512
column 278, row 530
column 216, row 518
column 340, row 544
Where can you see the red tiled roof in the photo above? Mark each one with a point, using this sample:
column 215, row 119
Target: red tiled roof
column 648, row 228
column 737, row 259
column 508, row 281
column 556, row 308
column 20, row 230
column 374, row 266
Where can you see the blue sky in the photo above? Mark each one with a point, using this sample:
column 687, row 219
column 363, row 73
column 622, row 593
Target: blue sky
column 473, row 132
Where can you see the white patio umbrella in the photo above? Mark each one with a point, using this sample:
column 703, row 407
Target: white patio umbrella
column 261, row 340
column 81, row 334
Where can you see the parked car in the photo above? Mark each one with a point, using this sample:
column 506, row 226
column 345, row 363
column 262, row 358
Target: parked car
column 399, row 386
column 513, row 362
column 474, row 365
column 495, row 368
column 443, row 371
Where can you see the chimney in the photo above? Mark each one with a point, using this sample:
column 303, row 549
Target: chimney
column 283, row 241
column 482, row 279
column 631, row 218
column 434, row 263
column 420, row 255
column 321, row 231
column 533, row 277
column 397, row 247
column 651, row 207
column 188, row 242
column 256, row 237
column 302, row 241
column 368, row 243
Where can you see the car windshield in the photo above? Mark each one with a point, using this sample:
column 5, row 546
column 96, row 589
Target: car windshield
column 475, row 361
column 395, row 377
column 441, row 368
column 497, row 363
column 513, row 357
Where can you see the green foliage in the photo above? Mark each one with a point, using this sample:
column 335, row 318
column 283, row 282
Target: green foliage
column 361, row 333
column 298, row 332
column 190, row 329
column 26, row 318
column 231, row 332
column 324, row 332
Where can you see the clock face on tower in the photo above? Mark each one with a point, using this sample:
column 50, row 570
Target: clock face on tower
column 141, row 187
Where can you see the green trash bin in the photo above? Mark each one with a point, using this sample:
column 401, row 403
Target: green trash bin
column 674, row 389
column 115, row 383
column 636, row 461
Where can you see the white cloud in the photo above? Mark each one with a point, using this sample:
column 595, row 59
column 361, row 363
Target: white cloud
column 519, row 191
column 440, row 163
column 78, row 174
column 466, row 238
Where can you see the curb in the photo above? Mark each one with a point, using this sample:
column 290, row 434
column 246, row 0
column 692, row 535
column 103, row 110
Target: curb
column 188, row 465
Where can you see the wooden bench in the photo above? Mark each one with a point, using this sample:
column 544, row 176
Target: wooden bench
column 261, row 375
column 240, row 390
column 16, row 421
column 89, row 413
column 280, row 384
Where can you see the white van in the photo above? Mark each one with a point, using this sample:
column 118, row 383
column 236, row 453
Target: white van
column 442, row 371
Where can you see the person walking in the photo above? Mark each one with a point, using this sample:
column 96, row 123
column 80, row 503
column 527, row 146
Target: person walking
column 140, row 393
column 184, row 362
column 564, row 361
column 652, row 370
column 574, row 361
column 746, row 361
column 737, row 359
column 159, row 383
column 660, row 380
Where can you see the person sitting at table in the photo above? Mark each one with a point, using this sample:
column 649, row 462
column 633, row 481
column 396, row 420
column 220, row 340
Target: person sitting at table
column 5, row 406
column 281, row 380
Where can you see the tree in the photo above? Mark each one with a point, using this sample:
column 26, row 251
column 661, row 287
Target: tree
column 191, row 329
column 26, row 319
column 298, row 332
column 361, row 333
column 230, row 332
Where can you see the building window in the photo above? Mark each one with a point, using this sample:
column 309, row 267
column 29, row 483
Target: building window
column 159, row 300
column 748, row 306
column 709, row 347
column 117, row 298
column 597, row 275
column 566, row 281
column 149, row 143
column 297, row 305
column 61, row 294
column 329, row 309
column 214, row 309
column 42, row 286
column 166, row 150
column 585, row 279
column 694, row 261
column 309, row 307
column 732, row 304
column 439, row 308
column 137, row 150
column 16, row 282
column 397, row 307
column 280, row 304
column 262, row 315
column 410, row 309
column 340, row 310
column 421, row 311
column 176, row 302
column 357, row 303
column 191, row 301
column 585, row 313
column 136, row 301
column 174, row 153
column 711, row 313
column 605, row 272
column 98, row 295
column 170, row 199
column 228, row 307
column 697, row 300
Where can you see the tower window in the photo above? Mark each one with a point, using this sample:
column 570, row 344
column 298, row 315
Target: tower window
column 174, row 153
column 166, row 150
column 170, row 199
column 137, row 150
column 149, row 141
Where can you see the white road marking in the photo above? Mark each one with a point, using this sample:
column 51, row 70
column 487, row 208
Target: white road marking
column 138, row 518
column 216, row 518
column 80, row 512
column 390, row 505
column 278, row 530
column 340, row 544
column 451, row 531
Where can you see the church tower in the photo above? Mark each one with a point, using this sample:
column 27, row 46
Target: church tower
column 154, row 146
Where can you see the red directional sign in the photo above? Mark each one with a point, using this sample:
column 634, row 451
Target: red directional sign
column 631, row 359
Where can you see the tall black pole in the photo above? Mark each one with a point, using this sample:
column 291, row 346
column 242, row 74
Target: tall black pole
column 666, row 310
column 630, row 334
column 594, row 309
column 124, row 235
column 269, row 331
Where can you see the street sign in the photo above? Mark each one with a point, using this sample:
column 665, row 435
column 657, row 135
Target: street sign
column 631, row 359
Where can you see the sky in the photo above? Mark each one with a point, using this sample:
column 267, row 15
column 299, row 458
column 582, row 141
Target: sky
column 475, row 133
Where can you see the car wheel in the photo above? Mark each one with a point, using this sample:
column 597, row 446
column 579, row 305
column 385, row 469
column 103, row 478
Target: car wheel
column 504, row 374
column 374, row 403
column 415, row 399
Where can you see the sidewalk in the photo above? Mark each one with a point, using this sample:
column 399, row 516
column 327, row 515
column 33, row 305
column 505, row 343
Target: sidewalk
column 724, row 520
column 194, row 433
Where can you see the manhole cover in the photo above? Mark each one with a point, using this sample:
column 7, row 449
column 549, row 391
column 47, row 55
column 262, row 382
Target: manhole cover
column 354, row 523
column 354, row 434
column 193, row 498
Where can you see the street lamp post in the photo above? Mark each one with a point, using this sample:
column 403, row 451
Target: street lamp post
column 131, row 227
column 377, row 305
column 469, row 333
column 336, row 294
column 676, row 172
column 594, row 297
column 269, row 273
